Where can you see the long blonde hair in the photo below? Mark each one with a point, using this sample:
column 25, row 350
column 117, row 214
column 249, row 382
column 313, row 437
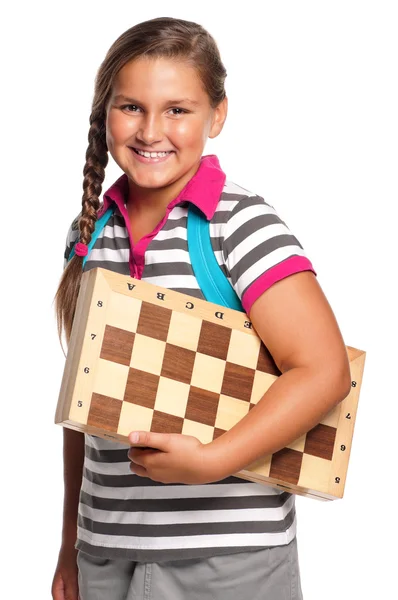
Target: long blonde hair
column 164, row 37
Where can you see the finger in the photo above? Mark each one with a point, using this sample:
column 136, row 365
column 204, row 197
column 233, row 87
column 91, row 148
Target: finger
column 160, row 441
column 141, row 455
column 138, row 470
column 58, row 588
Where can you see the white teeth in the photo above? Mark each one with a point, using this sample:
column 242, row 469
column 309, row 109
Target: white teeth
column 153, row 154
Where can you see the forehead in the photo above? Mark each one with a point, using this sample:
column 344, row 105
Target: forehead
column 159, row 78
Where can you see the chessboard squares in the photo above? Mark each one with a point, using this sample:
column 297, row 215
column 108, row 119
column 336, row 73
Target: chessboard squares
column 238, row 381
column 141, row 388
column 134, row 418
column 208, row 373
column 154, row 321
column 172, row 397
column 286, row 465
column 320, row 441
column 204, row 433
column 165, row 423
column 214, row 340
column 315, row 472
column 202, row 406
column 147, row 354
column 178, row 363
column 243, row 349
column 184, row 331
column 104, row 412
column 110, row 379
column 262, row 381
column 117, row 345
column 123, row 312
column 266, row 362
column 230, row 412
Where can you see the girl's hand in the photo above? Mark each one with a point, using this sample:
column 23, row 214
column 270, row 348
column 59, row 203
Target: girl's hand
column 172, row 458
column 65, row 581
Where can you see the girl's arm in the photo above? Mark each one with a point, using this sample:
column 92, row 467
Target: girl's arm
column 297, row 325
column 73, row 471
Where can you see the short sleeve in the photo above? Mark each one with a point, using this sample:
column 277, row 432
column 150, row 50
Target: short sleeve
column 72, row 236
column 259, row 249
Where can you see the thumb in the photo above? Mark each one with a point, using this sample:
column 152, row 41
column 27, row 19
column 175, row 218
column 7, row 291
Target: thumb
column 160, row 441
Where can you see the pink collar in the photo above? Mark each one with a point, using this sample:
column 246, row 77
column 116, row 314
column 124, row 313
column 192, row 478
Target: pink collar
column 203, row 189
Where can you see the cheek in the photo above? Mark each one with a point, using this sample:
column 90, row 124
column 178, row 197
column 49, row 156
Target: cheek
column 118, row 128
column 189, row 132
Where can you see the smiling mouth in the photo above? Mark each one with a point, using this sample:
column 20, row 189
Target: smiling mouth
column 147, row 154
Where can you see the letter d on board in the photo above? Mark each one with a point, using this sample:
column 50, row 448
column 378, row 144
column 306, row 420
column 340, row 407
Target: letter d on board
column 219, row 315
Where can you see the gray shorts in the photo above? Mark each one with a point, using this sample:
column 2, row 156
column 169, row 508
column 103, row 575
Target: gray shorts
column 266, row 574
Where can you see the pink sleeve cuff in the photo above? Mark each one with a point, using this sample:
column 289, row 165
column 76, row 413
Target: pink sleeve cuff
column 292, row 265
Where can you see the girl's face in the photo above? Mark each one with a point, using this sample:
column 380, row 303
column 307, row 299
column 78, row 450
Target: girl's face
column 159, row 105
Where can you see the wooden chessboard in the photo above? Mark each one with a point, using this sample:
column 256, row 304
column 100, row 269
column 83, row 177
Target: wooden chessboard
column 142, row 357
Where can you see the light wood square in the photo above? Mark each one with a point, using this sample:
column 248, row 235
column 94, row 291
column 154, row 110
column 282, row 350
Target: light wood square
column 208, row 373
column 262, row 381
column 262, row 466
column 230, row 411
column 110, row 379
column 243, row 349
column 134, row 418
column 204, row 433
column 147, row 354
column 123, row 312
column 184, row 331
column 298, row 444
column 315, row 472
column 172, row 397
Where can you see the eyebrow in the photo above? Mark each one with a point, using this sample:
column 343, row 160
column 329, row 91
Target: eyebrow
column 134, row 101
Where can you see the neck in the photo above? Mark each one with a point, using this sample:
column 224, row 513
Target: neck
column 145, row 201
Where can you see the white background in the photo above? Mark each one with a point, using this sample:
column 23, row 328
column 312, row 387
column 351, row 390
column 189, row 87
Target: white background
column 313, row 127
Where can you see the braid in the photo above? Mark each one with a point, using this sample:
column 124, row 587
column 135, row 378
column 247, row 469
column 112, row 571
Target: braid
column 94, row 174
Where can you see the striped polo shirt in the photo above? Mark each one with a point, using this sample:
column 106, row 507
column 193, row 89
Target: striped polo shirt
column 120, row 514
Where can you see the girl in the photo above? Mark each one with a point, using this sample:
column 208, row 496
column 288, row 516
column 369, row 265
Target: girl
column 170, row 521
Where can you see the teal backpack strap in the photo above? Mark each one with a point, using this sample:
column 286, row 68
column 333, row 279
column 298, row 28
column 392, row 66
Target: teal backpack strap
column 99, row 225
column 212, row 281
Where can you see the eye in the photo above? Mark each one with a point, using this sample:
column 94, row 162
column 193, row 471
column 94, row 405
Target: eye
column 128, row 105
column 181, row 109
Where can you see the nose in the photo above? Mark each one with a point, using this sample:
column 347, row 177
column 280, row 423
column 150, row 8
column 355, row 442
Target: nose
column 150, row 130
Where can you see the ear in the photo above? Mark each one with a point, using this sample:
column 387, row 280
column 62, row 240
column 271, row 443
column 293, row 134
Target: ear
column 219, row 116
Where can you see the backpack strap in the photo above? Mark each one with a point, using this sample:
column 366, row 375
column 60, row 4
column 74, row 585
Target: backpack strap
column 212, row 281
column 99, row 225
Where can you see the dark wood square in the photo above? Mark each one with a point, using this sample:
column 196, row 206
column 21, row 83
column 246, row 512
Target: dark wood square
column 266, row 363
column 141, row 388
column 320, row 441
column 286, row 465
column 214, row 340
column 154, row 321
column 104, row 412
column 117, row 345
column 238, row 381
column 202, row 406
column 178, row 363
column 165, row 423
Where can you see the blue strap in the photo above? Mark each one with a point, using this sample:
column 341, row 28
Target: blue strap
column 99, row 225
column 212, row 281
